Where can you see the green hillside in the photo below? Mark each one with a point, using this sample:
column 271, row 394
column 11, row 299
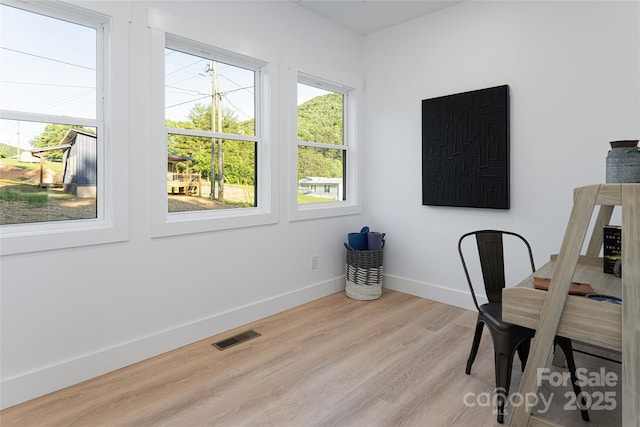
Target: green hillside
column 7, row 150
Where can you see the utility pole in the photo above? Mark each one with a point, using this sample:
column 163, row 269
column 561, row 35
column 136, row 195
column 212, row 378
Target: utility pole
column 18, row 135
column 216, row 144
column 220, row 151
column 212, row 70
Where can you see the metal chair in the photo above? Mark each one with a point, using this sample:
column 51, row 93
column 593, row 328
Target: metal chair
column 507, row 338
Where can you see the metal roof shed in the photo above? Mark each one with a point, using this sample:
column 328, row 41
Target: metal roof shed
column 80, row 163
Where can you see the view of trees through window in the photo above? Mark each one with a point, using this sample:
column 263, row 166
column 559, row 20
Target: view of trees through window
column 48, row 170
column 321, row 148
column 50, row 126
column 211, row 133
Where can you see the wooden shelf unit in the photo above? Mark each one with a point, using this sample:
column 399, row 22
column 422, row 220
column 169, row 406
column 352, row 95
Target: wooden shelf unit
column 555, row 312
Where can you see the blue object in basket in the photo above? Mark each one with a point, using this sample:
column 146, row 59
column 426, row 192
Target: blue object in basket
column 375, row 240
column 358, row 241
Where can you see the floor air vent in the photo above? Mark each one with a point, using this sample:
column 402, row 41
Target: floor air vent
column 236, row 339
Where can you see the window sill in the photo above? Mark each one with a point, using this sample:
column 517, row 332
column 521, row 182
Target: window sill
column 25, row 238
column 201, row 222
column 322, row 210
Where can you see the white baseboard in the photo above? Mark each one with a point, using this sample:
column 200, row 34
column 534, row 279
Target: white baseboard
column 25, row 387
column 441, row 294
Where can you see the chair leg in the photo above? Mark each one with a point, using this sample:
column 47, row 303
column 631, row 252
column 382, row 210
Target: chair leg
column 523, row 353
column 474, row 347
column 505, row 346
column 567, row 349
column 503, row 379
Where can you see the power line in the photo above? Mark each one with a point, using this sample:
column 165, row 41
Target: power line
column 186, row 102
column 238, row 109
column 69, row 99
column 56, row 103
column 185, row 90
column 223, row 93
column 237, row 89
column 48, row 59
column 46, row 84
column 188, row 78
column 79, row 106
column 186, row 66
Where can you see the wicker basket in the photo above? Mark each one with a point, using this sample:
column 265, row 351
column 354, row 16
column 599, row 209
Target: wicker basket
column 364, row 274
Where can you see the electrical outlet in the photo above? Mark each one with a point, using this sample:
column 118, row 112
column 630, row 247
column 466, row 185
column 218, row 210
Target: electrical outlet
column 314, row 262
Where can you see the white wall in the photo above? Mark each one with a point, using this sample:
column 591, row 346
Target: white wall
column 573, row 72
column 68, row 315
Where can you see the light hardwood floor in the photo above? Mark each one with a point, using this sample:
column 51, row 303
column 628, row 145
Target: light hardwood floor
column 395, row 361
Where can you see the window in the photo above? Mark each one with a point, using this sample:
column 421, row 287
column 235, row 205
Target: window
column 212, row 133
column 322, row 149
column 324, row 158
column 56, row 180
column 51, row 121
column 212, row 163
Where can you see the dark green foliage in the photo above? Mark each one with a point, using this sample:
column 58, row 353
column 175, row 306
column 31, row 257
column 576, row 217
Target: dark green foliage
column 239, row 157
column 323, row 162
column 7, row 150
column 320, row 119
column 33, row 199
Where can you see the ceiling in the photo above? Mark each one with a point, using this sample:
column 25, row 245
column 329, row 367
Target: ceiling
column 368, row 16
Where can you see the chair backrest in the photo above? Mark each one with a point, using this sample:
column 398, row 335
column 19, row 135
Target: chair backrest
column 491, row 255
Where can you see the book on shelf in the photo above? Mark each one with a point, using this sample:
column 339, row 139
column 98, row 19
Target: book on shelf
column 612, row 247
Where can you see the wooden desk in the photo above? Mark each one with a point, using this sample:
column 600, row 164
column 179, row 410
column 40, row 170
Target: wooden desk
column 603, row 324
column 522, row 305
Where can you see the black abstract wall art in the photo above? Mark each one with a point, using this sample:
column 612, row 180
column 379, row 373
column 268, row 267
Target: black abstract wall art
column 465, row 149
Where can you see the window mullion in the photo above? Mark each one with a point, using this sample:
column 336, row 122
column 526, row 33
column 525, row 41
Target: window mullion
column 47, row 118
column 210, row 134
column 322, row 145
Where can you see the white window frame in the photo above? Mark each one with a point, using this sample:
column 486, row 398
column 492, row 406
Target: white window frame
column 111, row 222
column 177, row 223
column 351, row 205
